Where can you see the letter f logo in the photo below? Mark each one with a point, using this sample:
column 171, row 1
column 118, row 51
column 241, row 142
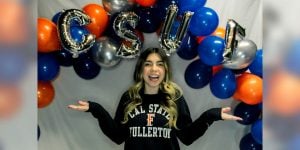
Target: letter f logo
column 150, row 119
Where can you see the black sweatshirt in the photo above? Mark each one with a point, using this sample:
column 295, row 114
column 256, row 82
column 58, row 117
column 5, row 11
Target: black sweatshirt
column 147, row 127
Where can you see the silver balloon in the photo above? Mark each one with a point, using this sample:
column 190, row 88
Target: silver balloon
column 63, row 28
column 233, row 29
column 242, row 55
column 132, row 49
column 169, row 44
column 114, row 6
column 104, row 52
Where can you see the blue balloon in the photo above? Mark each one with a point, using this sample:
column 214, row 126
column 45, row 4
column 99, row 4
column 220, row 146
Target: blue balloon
column 211, row 50
column 64, row 58
column 78, row 32
column 248, row 143
column 223, row 84
column 256, row 67
column 204, row 22
column 197, row 74
column 256, row 131
column 149, row 19
column 188, row 47
column 86, row 68
column 48, row 67
column 190, row 5
column 249, row 113
column 162, row 7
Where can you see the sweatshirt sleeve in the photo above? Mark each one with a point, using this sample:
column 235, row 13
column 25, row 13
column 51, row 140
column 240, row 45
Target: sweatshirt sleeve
column 189, row 131
column 112, row 128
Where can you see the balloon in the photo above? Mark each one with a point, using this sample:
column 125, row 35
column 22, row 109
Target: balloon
column 197, row 74
column 64, row 32
column 220, row 32
column 48, row 67
column 210, row 50
column 110, row 32
column 127, row 50
column 256, row 131
column 256, row 67
column 249, row 89
column 86, row 68
column 249, row 113
column 242, row 55
column 233, row 29
column 168, row 44
column 149, row 20
column 223, row 84
column 47, row 36
column 204, row 22
column 10, row 101
column 104, row 52
column 64, row 58
column 145, row 3
column 45, row 94
column 190, row 5
column 248, row 143
column 115, row 6
column 162, row 7
column 99, row 19
column 200, row 39
column 188, row 47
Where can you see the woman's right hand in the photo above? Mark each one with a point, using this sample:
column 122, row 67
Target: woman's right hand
column 81, row 106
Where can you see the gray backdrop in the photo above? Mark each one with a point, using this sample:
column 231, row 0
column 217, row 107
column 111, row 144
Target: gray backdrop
column 64, row 129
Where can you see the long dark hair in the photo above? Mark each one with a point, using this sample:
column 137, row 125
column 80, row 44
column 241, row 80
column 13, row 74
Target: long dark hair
column 171, row 90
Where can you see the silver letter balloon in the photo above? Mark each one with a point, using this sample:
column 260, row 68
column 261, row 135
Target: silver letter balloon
column 127, row 50
column 168, row 44
column 63, row 28
column 238, row 54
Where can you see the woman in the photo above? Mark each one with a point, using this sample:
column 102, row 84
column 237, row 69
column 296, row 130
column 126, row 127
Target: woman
column 152, row 114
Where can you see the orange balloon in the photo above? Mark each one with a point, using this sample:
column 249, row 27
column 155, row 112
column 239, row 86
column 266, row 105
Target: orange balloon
column 146, row 3
column 99, row 19
column 45, row 94
column 47, row 36
column 249, row 89
column 220, row 32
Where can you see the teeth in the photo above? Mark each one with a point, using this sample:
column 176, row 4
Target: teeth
column 153, row 76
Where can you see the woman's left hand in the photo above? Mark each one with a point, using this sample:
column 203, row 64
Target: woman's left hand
column 226, row 116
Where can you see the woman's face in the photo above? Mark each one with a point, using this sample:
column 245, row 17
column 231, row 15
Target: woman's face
column 153, row 72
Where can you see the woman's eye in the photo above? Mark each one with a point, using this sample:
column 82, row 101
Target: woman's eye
column 160, row 64
column 147, row 64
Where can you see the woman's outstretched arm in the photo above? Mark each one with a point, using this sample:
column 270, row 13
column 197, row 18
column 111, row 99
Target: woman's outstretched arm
column 112, row 128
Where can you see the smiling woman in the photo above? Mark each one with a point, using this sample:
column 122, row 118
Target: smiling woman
column 152, row 114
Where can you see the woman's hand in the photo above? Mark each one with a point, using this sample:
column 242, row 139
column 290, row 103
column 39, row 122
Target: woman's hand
column 81, row 106
column 226, row 116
